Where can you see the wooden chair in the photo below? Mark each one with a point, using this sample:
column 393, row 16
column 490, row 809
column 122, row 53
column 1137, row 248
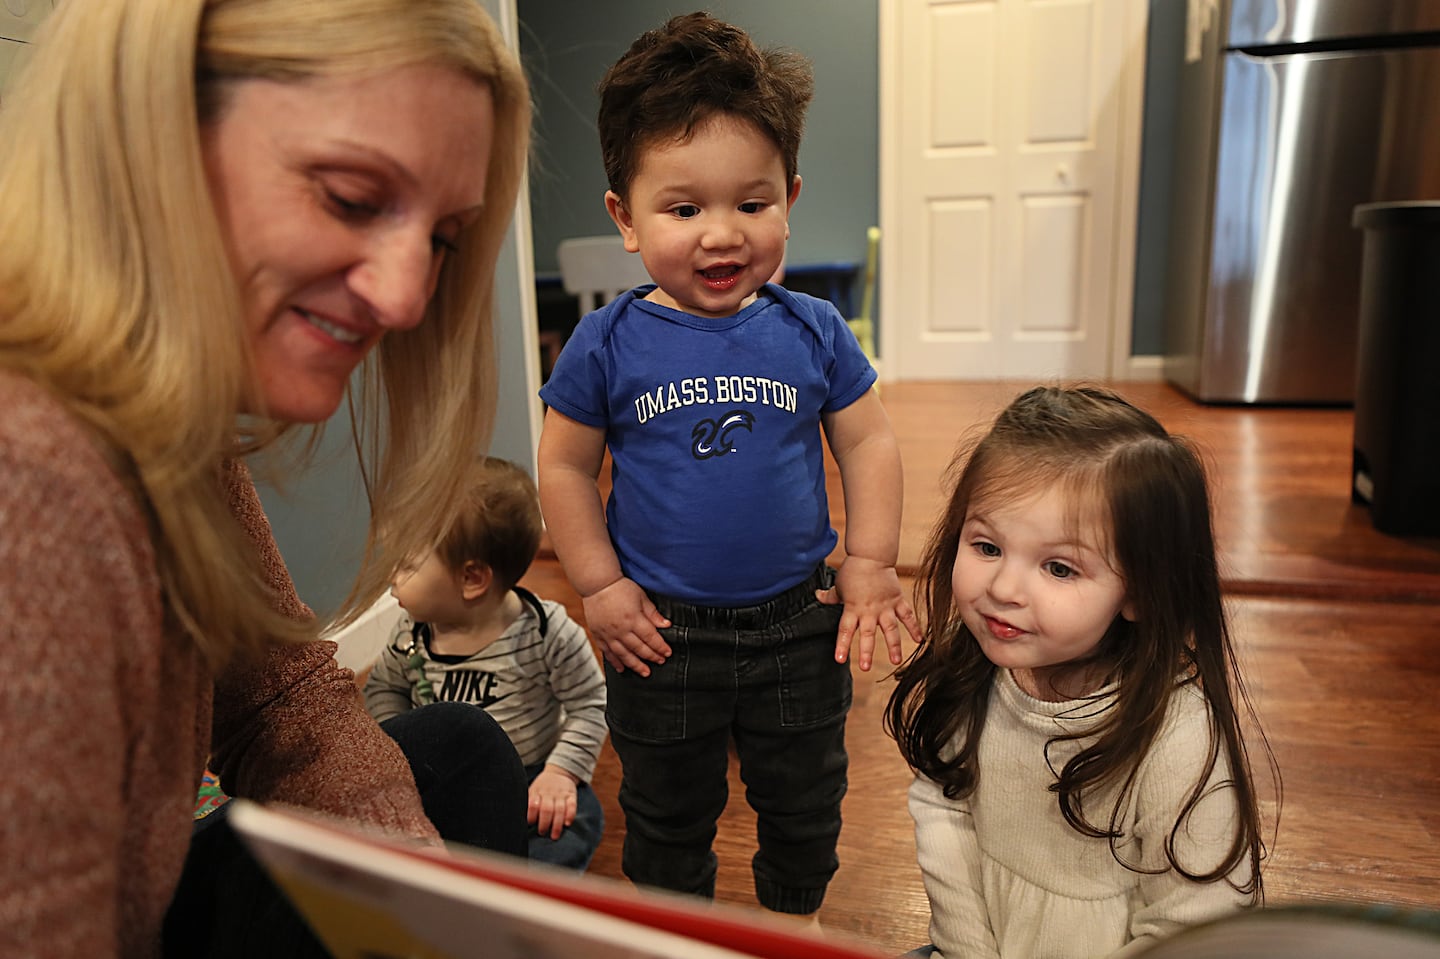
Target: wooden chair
column 597, row 269
column 594, row 269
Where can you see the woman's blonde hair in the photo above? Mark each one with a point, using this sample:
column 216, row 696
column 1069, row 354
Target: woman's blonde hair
column 116, row 293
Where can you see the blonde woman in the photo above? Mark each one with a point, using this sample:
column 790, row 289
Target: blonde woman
column 213, row 213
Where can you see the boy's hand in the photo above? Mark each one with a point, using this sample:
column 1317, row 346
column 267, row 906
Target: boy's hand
column 552, row 801
column 873, row 598
column 626, row 624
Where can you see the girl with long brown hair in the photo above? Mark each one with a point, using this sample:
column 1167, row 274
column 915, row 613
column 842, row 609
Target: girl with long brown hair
column 1074, row 715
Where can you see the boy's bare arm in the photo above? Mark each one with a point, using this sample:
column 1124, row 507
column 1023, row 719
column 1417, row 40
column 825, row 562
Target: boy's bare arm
column 865, row 449
column 617, row 611
column 569, row 457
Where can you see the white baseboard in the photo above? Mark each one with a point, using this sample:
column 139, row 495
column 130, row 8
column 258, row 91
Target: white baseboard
column 362, row 641
column 1143, row 369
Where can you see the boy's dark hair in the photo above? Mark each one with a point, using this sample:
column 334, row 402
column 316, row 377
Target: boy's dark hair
column 674, row 78
column 1152, row 491
column 498, row 525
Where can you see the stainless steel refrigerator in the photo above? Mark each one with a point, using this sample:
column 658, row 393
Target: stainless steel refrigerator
column 1291, row 112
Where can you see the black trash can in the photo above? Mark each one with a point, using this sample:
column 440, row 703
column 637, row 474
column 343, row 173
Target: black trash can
column 1397, row 386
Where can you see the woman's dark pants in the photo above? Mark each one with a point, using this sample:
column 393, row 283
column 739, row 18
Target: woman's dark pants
column 473, row 788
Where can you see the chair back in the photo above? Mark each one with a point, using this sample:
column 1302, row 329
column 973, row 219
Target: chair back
column 597, row 269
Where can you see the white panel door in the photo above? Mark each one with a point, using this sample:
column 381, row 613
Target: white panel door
column 1004, row 167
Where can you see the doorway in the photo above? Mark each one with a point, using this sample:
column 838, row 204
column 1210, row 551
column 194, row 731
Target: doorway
column 1010, row 142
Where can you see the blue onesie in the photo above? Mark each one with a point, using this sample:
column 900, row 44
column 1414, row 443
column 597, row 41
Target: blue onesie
column 713, row 425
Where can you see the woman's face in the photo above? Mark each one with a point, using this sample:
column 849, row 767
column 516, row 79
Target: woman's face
column 339, row 198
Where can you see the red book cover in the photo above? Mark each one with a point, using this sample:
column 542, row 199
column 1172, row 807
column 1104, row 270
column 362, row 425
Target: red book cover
column 373, row 898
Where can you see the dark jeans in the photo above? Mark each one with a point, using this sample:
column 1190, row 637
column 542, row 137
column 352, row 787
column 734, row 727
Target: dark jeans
column 766, row 677
column 471, row 781
column 473, row 788
column 576, row 845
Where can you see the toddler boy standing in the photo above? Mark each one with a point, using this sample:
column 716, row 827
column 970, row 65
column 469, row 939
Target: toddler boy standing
column 478, row 638
column 705, row 579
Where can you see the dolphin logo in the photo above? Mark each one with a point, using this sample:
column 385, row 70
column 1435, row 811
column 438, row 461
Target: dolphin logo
column 716, row 437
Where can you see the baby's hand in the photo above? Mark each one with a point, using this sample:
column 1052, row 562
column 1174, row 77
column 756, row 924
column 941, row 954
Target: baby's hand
column 626, row 624
column 873, row 598
column 552, row 801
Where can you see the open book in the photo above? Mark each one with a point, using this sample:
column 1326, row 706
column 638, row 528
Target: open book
column 371, row 898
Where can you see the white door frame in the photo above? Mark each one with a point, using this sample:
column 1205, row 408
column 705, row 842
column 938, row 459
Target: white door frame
column 519, row 413
column 1131, row 96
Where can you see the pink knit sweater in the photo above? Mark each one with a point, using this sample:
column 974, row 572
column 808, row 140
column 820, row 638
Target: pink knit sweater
column 107, row 713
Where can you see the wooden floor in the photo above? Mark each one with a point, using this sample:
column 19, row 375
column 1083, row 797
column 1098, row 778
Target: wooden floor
column 1339, row 632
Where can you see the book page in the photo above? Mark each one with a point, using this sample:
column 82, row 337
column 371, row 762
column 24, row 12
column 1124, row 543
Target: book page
column 370, row 898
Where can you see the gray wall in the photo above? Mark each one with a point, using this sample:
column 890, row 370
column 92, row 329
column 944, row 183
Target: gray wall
column 1165, row 53
column 319, row 518
column 567, row 46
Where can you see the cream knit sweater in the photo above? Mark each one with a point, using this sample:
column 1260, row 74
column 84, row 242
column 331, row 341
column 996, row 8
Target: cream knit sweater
column 1007, row 876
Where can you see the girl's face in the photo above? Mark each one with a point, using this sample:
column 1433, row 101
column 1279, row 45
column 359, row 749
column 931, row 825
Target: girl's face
column 1036, row 588
column 338, row 198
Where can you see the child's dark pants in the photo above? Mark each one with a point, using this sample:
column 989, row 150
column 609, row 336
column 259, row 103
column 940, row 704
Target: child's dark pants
column 765, row 676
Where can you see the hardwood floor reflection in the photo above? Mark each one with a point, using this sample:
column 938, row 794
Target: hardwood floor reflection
column 1281, row 478
column 1339, row 632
